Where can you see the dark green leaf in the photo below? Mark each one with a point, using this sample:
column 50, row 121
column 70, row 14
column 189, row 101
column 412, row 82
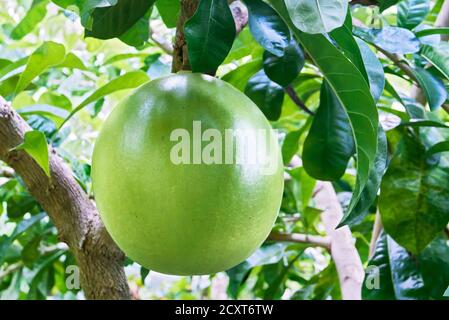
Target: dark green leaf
column 412, row 12
column 414, row 196
column 353, row 93
column 330, row 143
column 438, row 56
column 432, row 31
column 267, row 27
column 209, row 34
column 318, row 16
column 113, row 21
column 266, row 94
column 240, row 76
column 283, row 70
column 439, row 147
column 433, row 87
column 169, row 11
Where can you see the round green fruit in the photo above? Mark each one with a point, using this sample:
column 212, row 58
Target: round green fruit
column 168, row 182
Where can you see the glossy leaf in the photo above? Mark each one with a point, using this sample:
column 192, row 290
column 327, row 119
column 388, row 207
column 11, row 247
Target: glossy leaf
column 374, row 69
column 330, row 143
column 73, row 62
column 432, row 31
column 433, row 87
column 267, row 27
column 412, row 12
column 385, row 4
column 49, row 54
column 209, row 34
column 346, row 41
column 318, row 16
column 438, row 56
column 391, row 39
column 395, row 274
column 240, row 76
column 137, row 35
column 35, row 144
column 352, row 92
column 169, row 11
column 35, row 14
column 266, row 94
column 283, row 70
column 113, row 21
column 129, row 80
column 371, row 189
column 414, row 196
column 439, row 147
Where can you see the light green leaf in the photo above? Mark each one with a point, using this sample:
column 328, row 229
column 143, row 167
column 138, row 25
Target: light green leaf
column 317, row 16
column 412, row 12
column 209, row 34
column 49, row 54
column 35, row 144
column 35, row 14
column 438, row 56
column 267, row 27
column 73, row 62
column 240, row 76
column 353, row 93
column 433, row 87
column 129, row 80
column 374, row 68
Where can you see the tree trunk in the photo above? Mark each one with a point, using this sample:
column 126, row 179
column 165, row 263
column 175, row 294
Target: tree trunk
column 100, row 261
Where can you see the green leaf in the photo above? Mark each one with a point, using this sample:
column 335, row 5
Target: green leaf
column 129, row 80
column 138, row 34
column 267, row 27
column 283, row 70
column 439, row 147
column 169, row 11
column 35, row 14
column 392, row 39
column 12, row 69
column 35, row 144
column 438, row 56
column 352, row 92
column 209, row 35
column 113, row 21
column 345, row 40
column 330, row 143
column 71, row 61
column 433, row 87
column 374, row 68
column 413, row 200
column 49, row 54
column 240, row 76
column 432, row 31
column 317, row 16
column 412, row 12
column 396, row 274
column 266, row 94
column 290, row 144
column 385, row 4
column 371, row 189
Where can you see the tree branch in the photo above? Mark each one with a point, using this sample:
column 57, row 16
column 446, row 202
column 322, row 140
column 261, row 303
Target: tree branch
column 6, row 172
column 343, row 251
column 161, row 43
column 377, row 229
column 313, row 240
column 292, row 94
column 74, row 215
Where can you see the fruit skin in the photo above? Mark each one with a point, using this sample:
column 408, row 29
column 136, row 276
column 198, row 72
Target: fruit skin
column 182, row 219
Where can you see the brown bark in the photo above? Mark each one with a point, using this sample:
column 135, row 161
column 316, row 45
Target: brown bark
column 309, row 239
column 100, row 261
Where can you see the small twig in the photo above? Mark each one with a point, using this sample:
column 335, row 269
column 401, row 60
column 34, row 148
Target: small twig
column 292, row 94
column 398, row 61
column 377, row 229
column 313, row 240
column 10, row 269
column 6, row 172
column 166, row 46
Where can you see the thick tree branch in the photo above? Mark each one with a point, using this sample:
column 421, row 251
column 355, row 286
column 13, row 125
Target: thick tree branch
column 343, row 250
column 312, row 240
column 74, row 215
